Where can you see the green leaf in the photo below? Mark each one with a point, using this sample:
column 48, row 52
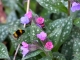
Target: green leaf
column 32, row 54
column 76, row 56
column 3, row 52
column 55, row 35
column 77, row 22
column 34, row 30
column 11, row 18
column 58, row 56
column 3, row 32
column 72, row 46
column 12, row 4
column 63, row 27
column 53, row 7
column 46, row 58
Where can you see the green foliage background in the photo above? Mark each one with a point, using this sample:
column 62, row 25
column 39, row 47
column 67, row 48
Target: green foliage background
column 62, row 30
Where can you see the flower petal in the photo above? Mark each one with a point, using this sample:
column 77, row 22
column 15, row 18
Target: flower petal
column 24, row 44
column 24, row 20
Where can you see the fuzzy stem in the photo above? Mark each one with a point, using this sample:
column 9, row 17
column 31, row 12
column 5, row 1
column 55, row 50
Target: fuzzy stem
column 16, row 52
column 68, row 7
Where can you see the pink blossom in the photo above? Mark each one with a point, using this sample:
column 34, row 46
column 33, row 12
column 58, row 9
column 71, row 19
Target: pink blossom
column 49, row 45
column 42, row 36
column 25, row 44
column 40, row 20
column 24, row 48
column 29, row 14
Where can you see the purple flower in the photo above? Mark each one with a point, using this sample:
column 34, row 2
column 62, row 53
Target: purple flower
column 75, row 7
column 42, row 36
column 25, row 20
column 24, row 48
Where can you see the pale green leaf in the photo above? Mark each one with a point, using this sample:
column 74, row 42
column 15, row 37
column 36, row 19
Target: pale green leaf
column 3, row 52
column 3, row 32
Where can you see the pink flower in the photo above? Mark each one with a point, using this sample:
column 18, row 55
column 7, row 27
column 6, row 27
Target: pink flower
column 49, row 45
column 40, row 20
column 29, row 14
column 24, row 48
column 25, row 44
column 42, row 36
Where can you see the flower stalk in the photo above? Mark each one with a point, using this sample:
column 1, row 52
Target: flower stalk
column 68, row 7
column 16, row 52
column 27, row 9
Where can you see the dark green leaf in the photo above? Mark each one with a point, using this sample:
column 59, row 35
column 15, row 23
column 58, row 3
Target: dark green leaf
column 58, row 56
column 46, row 58
column 53, row 7
column 64, row 31
column 71, row 47
column 34, row 30
column 32, row 54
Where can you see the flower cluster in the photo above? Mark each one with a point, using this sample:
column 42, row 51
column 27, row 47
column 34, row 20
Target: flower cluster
column 26, row 17
column 75, row 7
column 26, row 48
column 43, row 36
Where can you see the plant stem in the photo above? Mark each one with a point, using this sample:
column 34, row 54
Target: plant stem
column 16, row 52
column 27, row 9
column 68, row 7
column 28, row 4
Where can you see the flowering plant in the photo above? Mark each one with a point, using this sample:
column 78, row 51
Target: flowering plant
column 46, row 30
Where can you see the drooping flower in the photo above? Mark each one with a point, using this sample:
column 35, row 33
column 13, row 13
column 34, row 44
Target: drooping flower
column 42, row 36
column 24, row 48
column 49, row 45
column 25, row 44
column 29, row 14
column 75, row 7
column 40, row 20
column 25, row 20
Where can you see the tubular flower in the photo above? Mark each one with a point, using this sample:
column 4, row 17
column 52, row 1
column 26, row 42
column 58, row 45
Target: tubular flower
column 29, row 14
column 75, row 7
column 24, row 20
column 40, row 20
column 24, row 48
column 49, row 45
column 42, row 36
